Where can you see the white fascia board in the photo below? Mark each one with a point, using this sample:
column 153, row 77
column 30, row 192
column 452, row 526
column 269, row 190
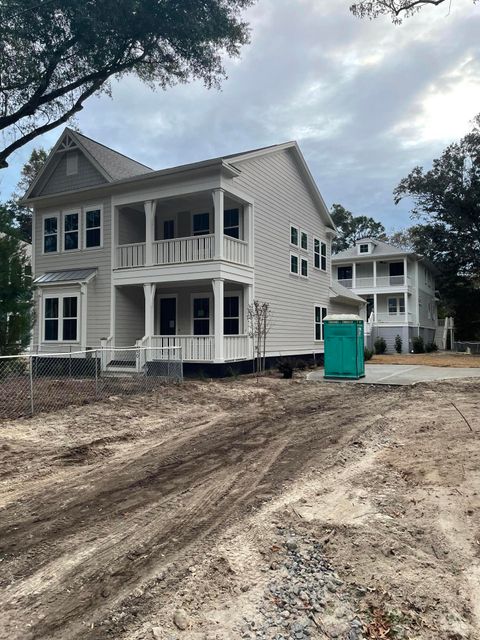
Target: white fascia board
column 184, row 272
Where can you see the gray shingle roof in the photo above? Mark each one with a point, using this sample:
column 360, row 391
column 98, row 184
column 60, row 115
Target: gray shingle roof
column 338, row 290
column 114, row 163
column 69, row 275
column 380, row 249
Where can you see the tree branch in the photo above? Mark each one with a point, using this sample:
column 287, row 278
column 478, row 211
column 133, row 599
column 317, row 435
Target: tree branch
column 78, row 106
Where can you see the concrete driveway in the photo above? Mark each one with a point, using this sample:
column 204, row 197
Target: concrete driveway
column 400, row 374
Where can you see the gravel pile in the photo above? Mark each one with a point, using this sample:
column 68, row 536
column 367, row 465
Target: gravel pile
column 305, row 599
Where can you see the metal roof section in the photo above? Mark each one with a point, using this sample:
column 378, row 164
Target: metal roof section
column 69, row 275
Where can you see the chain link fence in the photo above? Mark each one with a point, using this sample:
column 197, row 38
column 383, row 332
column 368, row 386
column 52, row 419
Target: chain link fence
column 467, row 347
column 31, row 383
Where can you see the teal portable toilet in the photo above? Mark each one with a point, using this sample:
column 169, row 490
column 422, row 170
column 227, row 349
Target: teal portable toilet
column 344, row 346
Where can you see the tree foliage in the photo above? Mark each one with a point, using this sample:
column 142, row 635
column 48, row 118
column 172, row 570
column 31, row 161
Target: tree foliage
column 446, row 203
column 15, row 289
column 396, row 9
column 55, row 55
column 351, row 228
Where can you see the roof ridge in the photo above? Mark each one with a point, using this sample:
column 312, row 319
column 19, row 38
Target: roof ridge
column 100, row 144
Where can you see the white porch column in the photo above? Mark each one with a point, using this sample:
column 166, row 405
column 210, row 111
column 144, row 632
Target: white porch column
column 218, row 208
column 149, row 206
column 83, row 316
column 374, row 273
column 375, row 307
column 248, row 231
column 405, row 267
column 405, row 296
column 354, row 275
column 149, row 293
column 248, row 300
column 218, row 288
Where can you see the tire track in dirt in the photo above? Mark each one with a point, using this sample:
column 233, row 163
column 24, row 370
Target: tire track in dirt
column 79, row 561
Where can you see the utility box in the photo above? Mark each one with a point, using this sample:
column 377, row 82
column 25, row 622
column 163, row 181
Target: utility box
column 344, row 346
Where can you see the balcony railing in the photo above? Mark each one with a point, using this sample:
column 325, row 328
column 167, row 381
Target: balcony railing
column 393, row 318
column 372, row 283
column 181, row 250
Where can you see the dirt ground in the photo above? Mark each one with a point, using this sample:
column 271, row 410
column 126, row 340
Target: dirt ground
column 437, row 359
column 261, row 509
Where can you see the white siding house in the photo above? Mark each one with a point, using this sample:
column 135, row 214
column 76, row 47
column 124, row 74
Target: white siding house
column 398, row 287
column 124, row 254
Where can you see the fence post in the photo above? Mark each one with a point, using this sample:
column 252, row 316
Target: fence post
column 96, row 374
column 31, row 385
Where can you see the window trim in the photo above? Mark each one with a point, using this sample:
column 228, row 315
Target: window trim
column 238, row 226
column 363, row 244
column 194, row 296
column 303, row 260
column 303, row 233
column 322, row 316
column 321, row 245
column 292, row 244
column 399, row 300
column 233, row 294
column 85, row 209
column 79, row 230
column 297, row 272
column 60, row 297
column 45, row 216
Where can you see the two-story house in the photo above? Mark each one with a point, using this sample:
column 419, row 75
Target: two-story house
column 123, row 253
column 398, row 287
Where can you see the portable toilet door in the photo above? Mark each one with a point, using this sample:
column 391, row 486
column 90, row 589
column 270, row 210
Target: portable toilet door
column 344, row 346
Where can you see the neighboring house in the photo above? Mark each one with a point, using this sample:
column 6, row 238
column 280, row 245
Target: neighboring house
column 175, row 257
column 398, row 287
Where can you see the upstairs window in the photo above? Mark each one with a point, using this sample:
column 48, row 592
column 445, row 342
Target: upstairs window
column 304, row 240
column 304, row 268
column 70, row 231
column 364, row 248
column 50, row 234
column 93, row 228
column 231, row 314
column 231, row 223
column 319, row 254
column 168, row 229
column 201, row 224
column 294, row 263
column 294, row 236
column 320, row 313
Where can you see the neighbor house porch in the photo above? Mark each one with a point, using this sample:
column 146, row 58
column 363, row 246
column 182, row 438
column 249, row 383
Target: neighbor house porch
column 207, row 319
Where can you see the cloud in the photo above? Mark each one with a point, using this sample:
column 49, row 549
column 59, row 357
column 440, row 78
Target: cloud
column 366, row 100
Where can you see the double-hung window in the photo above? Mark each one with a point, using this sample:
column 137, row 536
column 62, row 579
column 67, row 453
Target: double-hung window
column 61, row 318
column 70, row 231
column 319, row 254
column 201, row 316
column 168, row 229
column 396, row 305
column 201, row 224
column 304, row 240
column 93, row 228
column 364, row 248
column 231, row 314
column 294, row 235
column 304, row 267
column 320, row 313
column 294, row 263
column 50, row 234
column 231, row 223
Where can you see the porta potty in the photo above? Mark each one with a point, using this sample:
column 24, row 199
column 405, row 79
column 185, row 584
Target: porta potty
column 344, row 346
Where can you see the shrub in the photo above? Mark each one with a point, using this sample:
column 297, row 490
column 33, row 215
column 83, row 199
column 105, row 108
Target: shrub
column 380, row 345
column 285, row 367
column 398, row 344
column 417, row 344
column 430, row 346
column 367, row 353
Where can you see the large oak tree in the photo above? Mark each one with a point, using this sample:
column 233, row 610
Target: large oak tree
column 55, row 54
column 396, row 9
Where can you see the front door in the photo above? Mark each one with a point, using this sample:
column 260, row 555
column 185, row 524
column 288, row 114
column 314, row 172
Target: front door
column 168, row 316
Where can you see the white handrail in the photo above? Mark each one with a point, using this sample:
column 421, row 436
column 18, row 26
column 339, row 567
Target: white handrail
column 178, row 250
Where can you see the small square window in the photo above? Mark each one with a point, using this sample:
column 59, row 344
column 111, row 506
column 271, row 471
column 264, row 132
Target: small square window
column 293, row 263
column 294, row 236
column 363, row 248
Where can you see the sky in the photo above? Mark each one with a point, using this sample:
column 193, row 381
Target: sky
column 366, row 100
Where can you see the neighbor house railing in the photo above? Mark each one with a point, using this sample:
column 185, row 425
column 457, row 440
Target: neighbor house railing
column 393, row 318
column 370, row 282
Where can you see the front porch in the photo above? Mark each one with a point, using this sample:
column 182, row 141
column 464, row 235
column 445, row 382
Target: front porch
column 206, row 320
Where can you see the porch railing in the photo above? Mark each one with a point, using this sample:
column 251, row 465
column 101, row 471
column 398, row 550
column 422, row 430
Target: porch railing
column 191, row 249
column 235, row 250
column 380, row 281
column 194, row 348
column 237, row 347
column 131, row 255
column 392, row 318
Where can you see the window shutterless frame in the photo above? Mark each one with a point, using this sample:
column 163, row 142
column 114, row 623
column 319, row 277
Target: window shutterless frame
column 304, row 267
column 318, row 318
column 294, row 235
column 294, row 264
column 50, row 233
column 61, row 317
column 199, row 308
column 303, row 240
column 93, row 227
column 71, row 230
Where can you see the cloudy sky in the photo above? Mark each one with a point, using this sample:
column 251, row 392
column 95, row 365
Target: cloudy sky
column 366, row 101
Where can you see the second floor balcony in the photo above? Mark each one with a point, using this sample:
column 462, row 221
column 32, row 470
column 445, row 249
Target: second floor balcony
column 371, row 283
column 374, row 275
column 197, row 229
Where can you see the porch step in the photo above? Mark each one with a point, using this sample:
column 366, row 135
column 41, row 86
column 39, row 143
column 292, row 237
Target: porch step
column 119, row 371
column 122, row 363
